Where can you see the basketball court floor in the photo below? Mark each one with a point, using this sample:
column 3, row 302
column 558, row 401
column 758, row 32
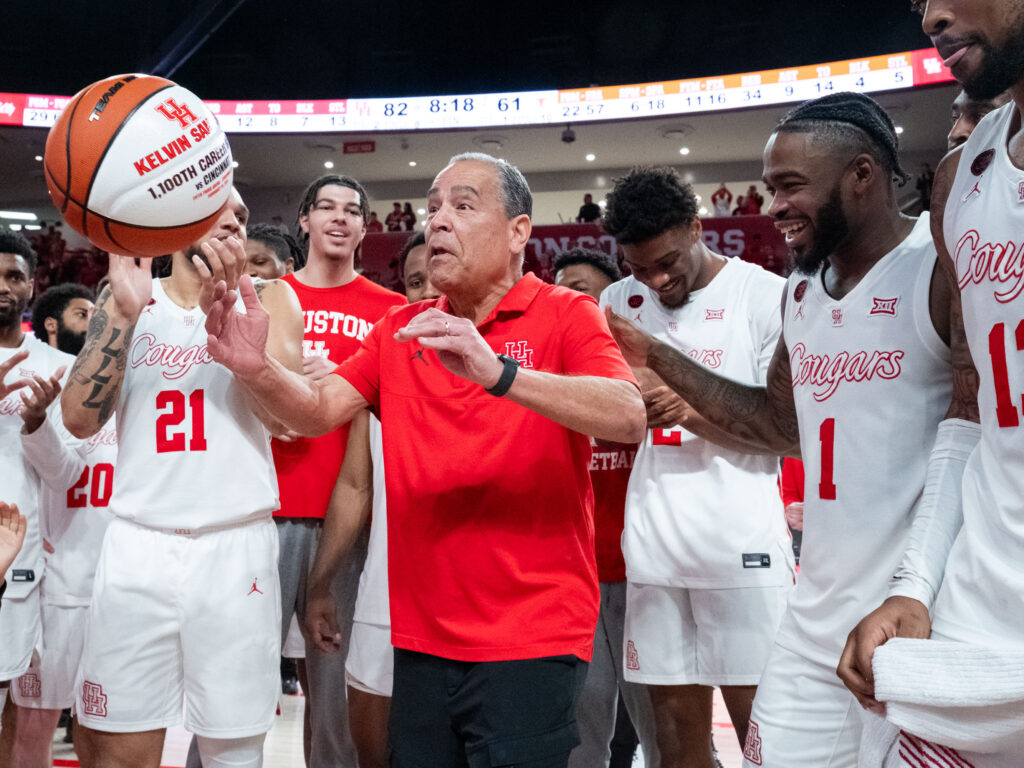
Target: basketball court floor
column 284, row 743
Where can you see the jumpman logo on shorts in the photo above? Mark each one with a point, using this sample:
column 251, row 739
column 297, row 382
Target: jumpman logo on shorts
column 419, row 356
column 254, row 588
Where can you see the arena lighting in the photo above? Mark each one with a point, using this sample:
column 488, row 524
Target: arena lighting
column 18, row 216
column 899, row 129
column 720, row 93
column 412, row 163
column 39, row 158
column 591, row 157
column 684, row 150
column 329, row 164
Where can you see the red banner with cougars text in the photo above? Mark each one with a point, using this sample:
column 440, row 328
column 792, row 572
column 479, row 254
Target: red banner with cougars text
column 751, row 238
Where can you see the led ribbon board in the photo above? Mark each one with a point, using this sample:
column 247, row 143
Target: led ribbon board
column 896, row 71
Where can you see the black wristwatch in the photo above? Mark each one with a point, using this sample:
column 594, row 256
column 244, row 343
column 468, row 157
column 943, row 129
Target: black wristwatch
column 508, row 375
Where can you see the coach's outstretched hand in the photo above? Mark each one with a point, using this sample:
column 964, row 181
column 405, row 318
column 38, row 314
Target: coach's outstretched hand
column 460, row 347
column 634, row 343
column 225, row 261
column 896, row 617
column 235, row 340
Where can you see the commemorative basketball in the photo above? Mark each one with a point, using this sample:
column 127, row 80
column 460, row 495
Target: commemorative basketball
column 138, row 165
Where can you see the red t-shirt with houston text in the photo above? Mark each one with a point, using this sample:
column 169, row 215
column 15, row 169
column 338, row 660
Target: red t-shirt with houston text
column 610, row 465
column 490, row 509
column 337, row 320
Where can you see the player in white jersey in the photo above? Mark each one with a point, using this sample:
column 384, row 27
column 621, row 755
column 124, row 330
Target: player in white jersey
column 74, row 492
column 965, row 555
column 708, row 560
column 185, row 605
column 859, row 382
column 27, row 412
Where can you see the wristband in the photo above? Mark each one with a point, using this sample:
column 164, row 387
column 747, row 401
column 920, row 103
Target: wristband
column 508, row 375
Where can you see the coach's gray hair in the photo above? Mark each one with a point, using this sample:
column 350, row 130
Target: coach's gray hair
column 518, row 198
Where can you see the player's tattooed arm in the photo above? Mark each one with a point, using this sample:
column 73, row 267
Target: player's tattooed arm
column 94, row 384
column 762, row 417
column 946, row 309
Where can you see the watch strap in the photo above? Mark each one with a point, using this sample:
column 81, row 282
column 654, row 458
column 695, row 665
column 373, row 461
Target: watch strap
column 508, row 375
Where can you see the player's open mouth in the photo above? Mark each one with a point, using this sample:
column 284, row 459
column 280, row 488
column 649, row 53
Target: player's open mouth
column 790, row 229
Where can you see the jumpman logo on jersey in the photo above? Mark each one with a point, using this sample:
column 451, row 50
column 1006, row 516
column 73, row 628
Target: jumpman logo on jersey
column 254, row 588
column 975, row 190
column 419, row 356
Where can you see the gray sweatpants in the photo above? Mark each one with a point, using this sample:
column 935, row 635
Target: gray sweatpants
column 595, row 715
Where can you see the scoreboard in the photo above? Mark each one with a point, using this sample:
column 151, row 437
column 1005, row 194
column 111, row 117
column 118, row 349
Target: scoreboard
column 872, row 74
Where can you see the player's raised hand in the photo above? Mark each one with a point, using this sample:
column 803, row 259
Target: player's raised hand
column 131, row 285
column 41, row 393
column 896, row 617
column 12, row 535
column 225, row 262
column 634, row 343
column 6, row 387
column 235, row 340
column 459, row 346
column 322, row 620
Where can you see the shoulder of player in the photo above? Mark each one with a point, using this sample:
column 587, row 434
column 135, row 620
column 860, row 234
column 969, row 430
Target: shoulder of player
column 276, row 296
column 40, row 350
column 619, row 291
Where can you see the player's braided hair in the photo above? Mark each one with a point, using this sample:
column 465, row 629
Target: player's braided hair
column 853, row 121
column 53, row 302
column 280, row 242
column 647, row 202
column 592, row 257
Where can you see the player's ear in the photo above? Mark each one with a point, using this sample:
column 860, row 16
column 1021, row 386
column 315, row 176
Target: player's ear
column 50, row 324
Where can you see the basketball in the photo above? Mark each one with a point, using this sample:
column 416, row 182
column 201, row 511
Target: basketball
column 138, row 165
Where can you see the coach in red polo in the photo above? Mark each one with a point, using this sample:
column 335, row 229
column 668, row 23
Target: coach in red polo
column 487, row 398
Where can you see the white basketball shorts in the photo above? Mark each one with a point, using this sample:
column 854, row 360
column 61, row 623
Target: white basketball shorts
column 193, row 617
column 50, row 680
column 680, row 636
column 20, row 631
column 803, row 717
column 370, row 665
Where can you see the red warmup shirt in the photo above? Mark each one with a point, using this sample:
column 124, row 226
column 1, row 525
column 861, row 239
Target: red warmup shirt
column 490, row 509
column 791, row 481
column 610, row 466
column 337, row 319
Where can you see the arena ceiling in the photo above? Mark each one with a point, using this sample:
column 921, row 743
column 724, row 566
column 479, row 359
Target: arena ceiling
column 237, row 49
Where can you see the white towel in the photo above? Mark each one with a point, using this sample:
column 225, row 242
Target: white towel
column 956, row 694
column 878, row 743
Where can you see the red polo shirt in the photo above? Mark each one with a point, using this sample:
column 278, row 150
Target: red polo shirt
column 490, row 510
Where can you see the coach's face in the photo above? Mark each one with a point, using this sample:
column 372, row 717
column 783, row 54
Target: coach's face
column 471, row 243
column 982, row 43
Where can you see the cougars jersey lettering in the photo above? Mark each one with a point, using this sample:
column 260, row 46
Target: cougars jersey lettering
column 982, row 594
column 871, row 380
column 19, row 477
column 178, row 409
column 337, row 319
column 698, row 515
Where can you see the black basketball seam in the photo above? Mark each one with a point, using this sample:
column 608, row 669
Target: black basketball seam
column 106, row 227
column 67, row 147
column 113, row 137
